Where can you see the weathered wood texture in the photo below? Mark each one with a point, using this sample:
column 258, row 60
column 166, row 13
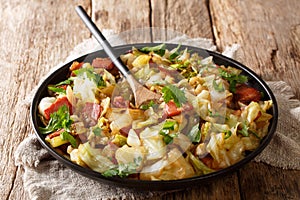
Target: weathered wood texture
column 37, row 35
column 268, row 32
column 182, row 17
column 129, row 19
column 260, row 181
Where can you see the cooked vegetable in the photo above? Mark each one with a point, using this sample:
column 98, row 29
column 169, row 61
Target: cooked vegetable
column 207, row 119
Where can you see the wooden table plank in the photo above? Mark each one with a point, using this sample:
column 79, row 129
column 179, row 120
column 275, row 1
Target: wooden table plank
column 191, row 18
column 37, row 36
column 42, row 33
column 181, row 17
column 225, row 188
column 269, row 36
column 130, row 20
column 268, row 32
column 261, row 181
column 159, row 17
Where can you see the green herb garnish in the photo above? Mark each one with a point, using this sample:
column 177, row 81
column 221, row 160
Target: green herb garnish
column 68, row 137
column 233, row 79
column 57, row 90
column 228, row 133
column 97, row 131
column 218, row 87
column 244, row 131
column 147, row 106
column 58, row 120
column 175, row 52
column 159, row 49
column 195, row 134
column 171, row 92
column 166, row 131
column 91, row 75
column 65, row 82
column 123, row 170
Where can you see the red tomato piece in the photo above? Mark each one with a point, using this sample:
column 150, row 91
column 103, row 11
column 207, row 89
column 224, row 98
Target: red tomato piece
column 171, row 109
column 56, row 105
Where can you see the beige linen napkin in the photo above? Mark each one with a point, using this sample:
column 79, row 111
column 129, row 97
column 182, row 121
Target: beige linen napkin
column 46, row 178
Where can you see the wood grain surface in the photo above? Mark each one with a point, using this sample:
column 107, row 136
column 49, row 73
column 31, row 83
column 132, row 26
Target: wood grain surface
column 37, row 35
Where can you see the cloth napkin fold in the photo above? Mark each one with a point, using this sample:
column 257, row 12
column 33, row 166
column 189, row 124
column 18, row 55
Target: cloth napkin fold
column 46, row 178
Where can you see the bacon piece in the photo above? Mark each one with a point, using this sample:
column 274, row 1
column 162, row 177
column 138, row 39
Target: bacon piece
column 56, row 105
column 56, row 133
column 91, row 113
column 246, row 94
column 120, row 102
column 125, row 130
column 107, row 64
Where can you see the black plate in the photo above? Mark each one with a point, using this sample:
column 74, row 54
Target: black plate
column 62, row 73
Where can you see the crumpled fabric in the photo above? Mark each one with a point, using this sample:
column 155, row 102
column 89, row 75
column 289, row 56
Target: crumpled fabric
column 46, row 178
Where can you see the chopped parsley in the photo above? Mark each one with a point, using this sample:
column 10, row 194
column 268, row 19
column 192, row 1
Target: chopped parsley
column 195, row 134
column 65, row 82
column 228, row 133
column 244, row 131
column 166, row 131
column 232, row 78
column 148, row 105
column 175, row 53
column 218, row 87
column 57, row 90
column 97, row 131
column 67, row 136
column 60, row 120
column 97, row 78
column 123, row 170
column 171, row 92
column 159, row 49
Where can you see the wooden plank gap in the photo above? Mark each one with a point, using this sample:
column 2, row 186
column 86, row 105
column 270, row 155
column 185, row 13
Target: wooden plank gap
column 150, row 20
column 240, row 185
column 13, row 184
column 210, row 13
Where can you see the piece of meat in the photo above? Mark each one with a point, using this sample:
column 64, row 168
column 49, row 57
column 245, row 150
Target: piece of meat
column 107, row 64
column 56, row 105
column 54, row 134
column 91, row 113
column 246, row 94
column 120, row 102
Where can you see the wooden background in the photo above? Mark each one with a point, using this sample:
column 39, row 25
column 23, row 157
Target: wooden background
column 36, row 35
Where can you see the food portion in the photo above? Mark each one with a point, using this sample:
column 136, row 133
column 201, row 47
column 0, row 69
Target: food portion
column 208, row 117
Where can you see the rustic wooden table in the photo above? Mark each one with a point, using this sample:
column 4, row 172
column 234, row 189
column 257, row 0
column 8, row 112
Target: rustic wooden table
column 37, row 35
